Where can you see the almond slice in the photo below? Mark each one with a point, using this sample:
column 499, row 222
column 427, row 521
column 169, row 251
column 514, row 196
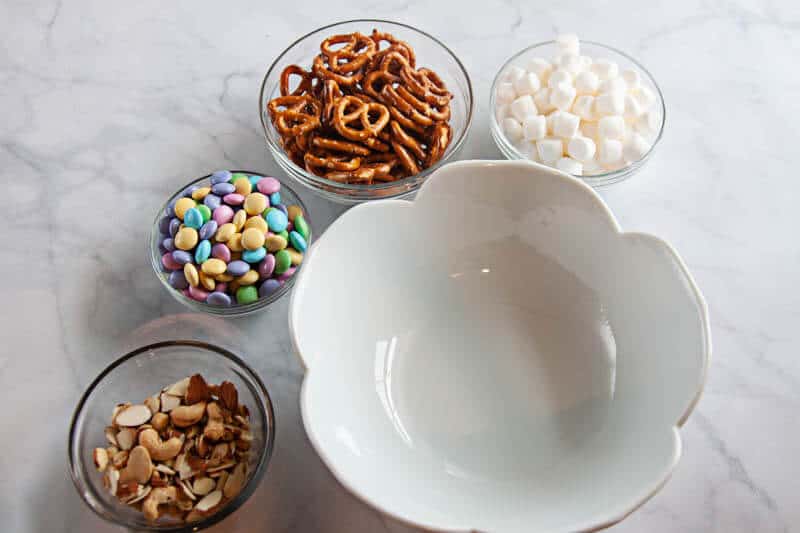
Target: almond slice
column 209, row 501
column 133, row 416
column 153, row 403
column 144, row 490
column 126, row 438
column 111, row 436
column 111, row 480
column 178, row 389
column 187, row 490
column 139, row 464
column 164, row 469
column 220, row 467
column 100, row 456
column 203, row 485
column 235, row 481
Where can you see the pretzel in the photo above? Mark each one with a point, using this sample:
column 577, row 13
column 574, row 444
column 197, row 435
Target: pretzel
column 413, row 145
column 305, row 81
column 440, row 139
column 336, row 145
column 395, row 45
column 361, row 112
column 331, row 162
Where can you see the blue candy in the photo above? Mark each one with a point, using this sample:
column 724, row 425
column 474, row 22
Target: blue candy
column 223, row 188
column 208, row 229
column 203, row 251
column 220, row 176
column 174, row 226
column 219, row 298
column 254, row 180
column 212, row 201
column 283, row 209
column 277, row 220
column 193, row 218
column 177, row 280
column 182, row 257
column 298, row 242
column 238, row 268
column 275, row 199
column 268, row 287
column 254, row 256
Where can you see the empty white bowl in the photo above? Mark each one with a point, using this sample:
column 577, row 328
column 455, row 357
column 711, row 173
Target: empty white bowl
column 497, row 355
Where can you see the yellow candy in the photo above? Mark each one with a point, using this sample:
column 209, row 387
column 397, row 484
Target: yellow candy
column 252, row 238
column 235, row 242
column 190, row 272
column 255, row 203
column 214, row 266
column 225, row 232
column 296, row 256
column 186, row 238
column 248, row 278
column 243, row 186
column 275, row 243
column 294, row 210
column 224, row 277
column 257, row 222
column 239, row 219
column 183, row 205
column 201, row 193
column 207, row 281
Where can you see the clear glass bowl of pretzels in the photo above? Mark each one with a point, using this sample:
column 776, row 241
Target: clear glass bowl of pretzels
column 365, row 109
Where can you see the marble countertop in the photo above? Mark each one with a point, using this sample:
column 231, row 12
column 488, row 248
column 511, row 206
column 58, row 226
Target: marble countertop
column 108, row 107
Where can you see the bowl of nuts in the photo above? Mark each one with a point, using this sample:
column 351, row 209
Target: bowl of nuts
column 172, row 436
column 365, row 109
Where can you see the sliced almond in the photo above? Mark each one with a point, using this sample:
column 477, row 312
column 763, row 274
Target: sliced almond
column 117, row 408
column 187, row 490
column 223, row 478
column 112, row 451
column 242, row 420
column 100, row 456
column 144, row 490
column 111, row 436
column 209, row 501
column 139, row 464
column 111, row 480
column 168, row 402
column 164, row 469
column 178, row 389
column 220, row 467
column 153, row 403
column 126, row 438
column 203, row 485
column 220, row 453
column 235, row 481
column 183, row 468
column 120, row 459
column 133, row 416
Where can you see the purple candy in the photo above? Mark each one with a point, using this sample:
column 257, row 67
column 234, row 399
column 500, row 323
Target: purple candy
column 219, row 298
column 221, row 287
column 223, row 214
column 238, row 268
column 282, row 208
column 221, row 251
column 185, row 292
column 268, row 287
column 208, row 230
column 163, row 226
column 177, row 280
column 189, row 190
column 212, row 201
column 169, row 263
column 223, row 188
column 181, row 257
column 196, row 293
column 233, row 199
column 170, row 210
column 268, row 186
column 220, row 176
column 266, row 266
column 286, row 275
column 161, row 248
column 289, row 227
column 174, row 226
column 168, row 244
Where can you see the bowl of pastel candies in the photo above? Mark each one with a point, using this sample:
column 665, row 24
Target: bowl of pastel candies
column 230, row 243
column 582, row 107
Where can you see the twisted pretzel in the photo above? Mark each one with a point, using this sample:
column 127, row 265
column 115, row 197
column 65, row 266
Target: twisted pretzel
column 303, row 87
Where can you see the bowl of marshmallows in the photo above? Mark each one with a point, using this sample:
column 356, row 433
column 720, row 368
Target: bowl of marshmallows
column 581, row 107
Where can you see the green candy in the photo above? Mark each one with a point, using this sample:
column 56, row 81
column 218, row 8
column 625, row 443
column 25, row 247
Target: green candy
column 236, row 176
column 205, row 211
column 267, row 210
column 247, row 294
column 301, row 226
column 282, row 262
column 284, row 234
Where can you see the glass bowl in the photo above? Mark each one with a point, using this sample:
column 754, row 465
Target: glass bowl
column 594, row 50
column 288, row 196
column 430, row 53
column 138, row 375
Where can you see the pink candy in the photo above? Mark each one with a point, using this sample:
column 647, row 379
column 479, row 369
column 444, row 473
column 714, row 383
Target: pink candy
column 222, row 215
column 221, row 251
column 169, row 263
column 196, row 293
column 221, row 287
column 268, row 186
column 286, row 275
column 233, row 199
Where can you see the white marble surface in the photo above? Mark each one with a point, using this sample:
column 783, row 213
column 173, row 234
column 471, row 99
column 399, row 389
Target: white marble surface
column 109, row 106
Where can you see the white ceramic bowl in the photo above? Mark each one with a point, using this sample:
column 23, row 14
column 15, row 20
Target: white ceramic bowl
column 498, row 355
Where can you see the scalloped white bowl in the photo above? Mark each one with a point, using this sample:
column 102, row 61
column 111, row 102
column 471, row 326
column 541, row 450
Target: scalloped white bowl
column 497, row 355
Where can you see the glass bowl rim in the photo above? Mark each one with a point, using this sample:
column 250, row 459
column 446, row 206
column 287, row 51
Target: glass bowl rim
column 253, row 481
column 342, row 189
column 605, row 178
column 236, row 309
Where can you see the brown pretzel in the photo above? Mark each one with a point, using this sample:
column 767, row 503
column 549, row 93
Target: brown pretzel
column 395, row 45
column 440, row 139
column 350, row 109
column 332, row 162
column 322, row 69
column 295, row 123
column 305, row 81
column 301, row 104
column 405, row 158
column 399, row 135
column 337, row 145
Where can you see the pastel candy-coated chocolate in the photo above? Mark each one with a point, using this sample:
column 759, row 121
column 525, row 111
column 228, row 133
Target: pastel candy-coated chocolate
column 285, row 235
column 266, row 266
column 248, row 278
column 193, row 218
column 242, row 184
column 286, row 275
column 177, row 280
column 239, row 218
column 255, row 203
column 214, row 266
column 254, row 256
column 275, row 199
column 221, row 189
column 282, row 208
column 163, row 225
column 174, row 226
column 275, row 243
column 220, row 299
column 169, row 263
column 212, row 201
column 282, row 262
column 268, row 287
column 268, row 185
column 298, row 242
column 205, row 211
column 220, row 251
column 252, row 238
column 247, row 294
column 238, row 267
column 196, row 293
column 208, row 229
column 200, row 193
column 254, row 180
column 202, row 252
column 293, row 211
column 192, row 276
column 221, row 286
column 220, row 176
column 233, row 198
column 168, row 244
column 301, row 226
column 223, row 214
column 182, row 257
column 186, row 238
column 277, row 221
column 183, row 205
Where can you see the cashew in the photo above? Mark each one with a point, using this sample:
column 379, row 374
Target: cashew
column 160, row 421
column 158, row 496
column 214, row 429
column 159, row 450
column 186, row 415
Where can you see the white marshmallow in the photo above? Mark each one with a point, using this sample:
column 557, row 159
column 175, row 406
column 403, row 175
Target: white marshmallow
column 550, row 120
column 584, row 107
column 605, row 68
column 613, row 85
column 512, row 129
column 514, row 73
column 631, row 77
column 534, row 128
column 528, row 150
column 542, row 100
column 586, row 62
column 550, row 150
column 609, row 104
column 527, row 84
column 586, row 82
column 581, row 148
column 612, row 127
column 645, row 96
column 648, row 123
column 501, row 112
column 568, row 43
column 591, row 167
column 609, row 152
column 589, row 129
column 571, row 63
column 523, row 107
column 505, row 92
column 565, row 125
column 570, row 166
column 562, row 95
column 559, row 76
column 540, row 67
column 633, row 110
column 635, row 148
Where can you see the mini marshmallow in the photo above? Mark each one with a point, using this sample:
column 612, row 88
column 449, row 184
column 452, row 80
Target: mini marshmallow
column 634, row 148
column 613, row 85
column 542, row 100
column 523, row 107
column 609, row 152
column 610, row 104
column 586, row 62
column 612, row 127
column 565, row 125
column 512, row 128
column 581, row 148
column 506, row 92
column 591, row 167
column 550, row 149
column 534, row 128
column 568, row 43
column 645, row 96
column 631, row 77
column 605, row 69
column 527, row 84
column 559, row 76
column 540, row 67
column 514, row 73
column 648, row 123
column 633, row 110
column 528, row 150
column 583, row 107
column 589, row 129
column 571, row 63
column 586, row 82
column 562, row 95
column 501, row 112
column 570, row 166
